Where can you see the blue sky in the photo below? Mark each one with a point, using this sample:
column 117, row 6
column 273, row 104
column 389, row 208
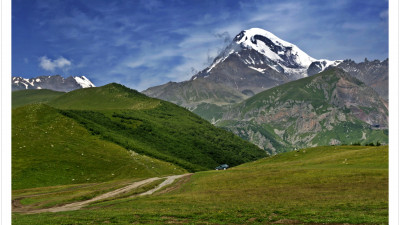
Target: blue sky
column 143, row 43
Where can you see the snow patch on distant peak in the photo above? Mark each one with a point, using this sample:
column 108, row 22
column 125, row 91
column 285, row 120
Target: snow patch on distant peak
column 214, row 64
column 29, row 82
column 329, row 63
column 257, row 69
column 84, row 82
column 221, row 59
column 321, row 65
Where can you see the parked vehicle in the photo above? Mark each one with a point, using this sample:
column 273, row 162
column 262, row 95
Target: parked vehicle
column 222, row 167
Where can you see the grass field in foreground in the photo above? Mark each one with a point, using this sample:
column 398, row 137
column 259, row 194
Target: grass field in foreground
column 337, row 184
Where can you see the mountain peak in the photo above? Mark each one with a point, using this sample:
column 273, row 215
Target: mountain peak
column 274, row 48
column 254, row 61
column 259, row 49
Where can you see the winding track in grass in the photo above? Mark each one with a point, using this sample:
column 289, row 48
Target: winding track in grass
column 81, row 204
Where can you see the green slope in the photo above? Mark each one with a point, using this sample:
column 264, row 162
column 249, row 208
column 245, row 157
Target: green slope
column 210, row 112
column 51, row 149
column 192, row 93
column 323, row 185
column 326, row 109
column 112, row 96
column 25, row 97
column 154, row 127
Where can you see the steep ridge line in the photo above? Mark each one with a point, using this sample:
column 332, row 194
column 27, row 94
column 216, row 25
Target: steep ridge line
column 78, row 205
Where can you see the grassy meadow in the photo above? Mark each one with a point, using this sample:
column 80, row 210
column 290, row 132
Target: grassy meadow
column 321, row 185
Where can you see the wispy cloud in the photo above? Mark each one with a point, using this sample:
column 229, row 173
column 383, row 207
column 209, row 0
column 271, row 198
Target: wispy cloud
column 51, row 65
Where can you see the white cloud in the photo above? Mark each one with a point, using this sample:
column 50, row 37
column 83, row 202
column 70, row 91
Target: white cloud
column 51, row 65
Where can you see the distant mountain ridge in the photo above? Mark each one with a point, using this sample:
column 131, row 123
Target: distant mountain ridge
column 55, row 83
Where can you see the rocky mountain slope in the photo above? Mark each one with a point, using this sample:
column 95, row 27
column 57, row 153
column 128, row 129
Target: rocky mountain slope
column 55, row 83
column 329, row 108
column 256, row 60
column 373, row 73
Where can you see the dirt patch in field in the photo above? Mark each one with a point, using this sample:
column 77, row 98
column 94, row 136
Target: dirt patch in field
column 176, row 185
column 252, row 219
column 80, row 204
column 16, row 204
column 287, row 221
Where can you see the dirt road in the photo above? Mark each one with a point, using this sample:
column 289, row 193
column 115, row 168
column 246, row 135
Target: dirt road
column 79, row 205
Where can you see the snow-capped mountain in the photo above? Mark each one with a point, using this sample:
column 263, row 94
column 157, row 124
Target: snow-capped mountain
column 232, row 93
column 254, row 61
column 56, row 83
column 259, row 49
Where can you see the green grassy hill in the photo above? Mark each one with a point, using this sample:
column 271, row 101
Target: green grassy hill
column 119, row 117
column 25, row 97
column 322, row 185
column 50, row 149
column 111, row 96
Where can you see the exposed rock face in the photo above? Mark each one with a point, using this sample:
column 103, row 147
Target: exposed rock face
column 56, row 83
column 372, row 73
column 329, row 108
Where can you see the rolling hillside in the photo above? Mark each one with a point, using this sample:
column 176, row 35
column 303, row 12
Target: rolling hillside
column 322, row 185
column 126, row 121
column 50, row 149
